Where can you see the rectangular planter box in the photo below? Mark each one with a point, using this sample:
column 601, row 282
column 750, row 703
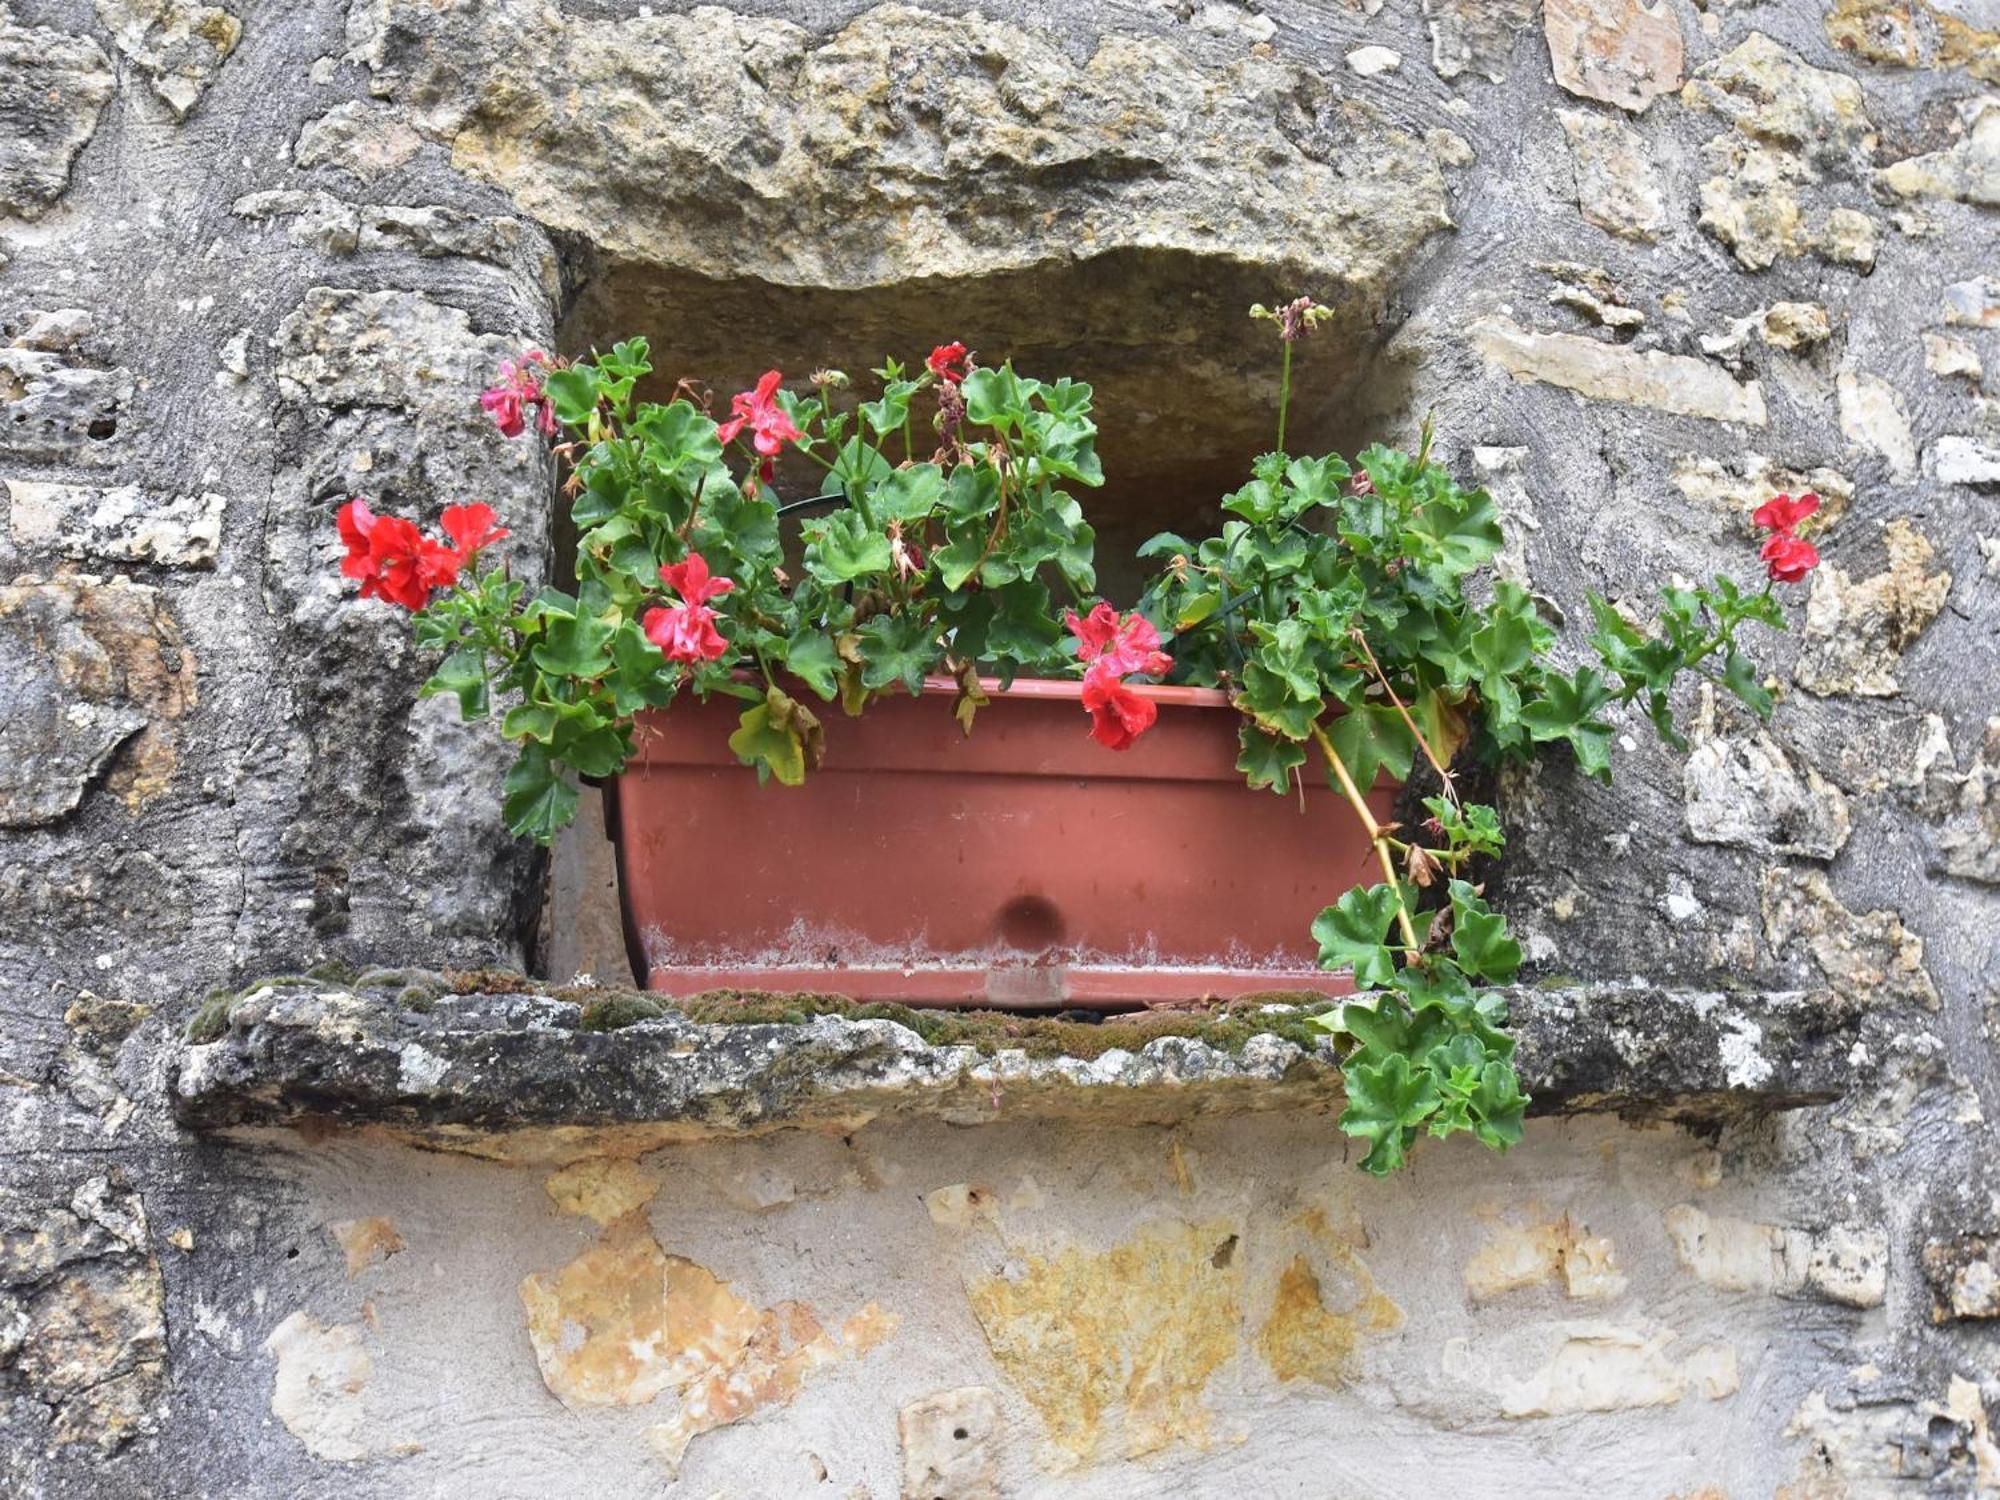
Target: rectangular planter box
column 1023, row 866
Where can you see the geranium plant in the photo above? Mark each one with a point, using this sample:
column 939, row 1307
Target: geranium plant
column 943, row 540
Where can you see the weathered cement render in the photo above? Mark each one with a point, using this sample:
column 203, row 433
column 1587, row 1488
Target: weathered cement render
column 1646, row 266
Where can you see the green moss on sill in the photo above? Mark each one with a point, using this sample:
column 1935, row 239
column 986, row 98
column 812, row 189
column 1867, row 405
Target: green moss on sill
column 1226, row 1027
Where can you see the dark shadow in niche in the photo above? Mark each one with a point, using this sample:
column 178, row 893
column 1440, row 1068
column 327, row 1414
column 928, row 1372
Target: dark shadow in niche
column 1186, row 384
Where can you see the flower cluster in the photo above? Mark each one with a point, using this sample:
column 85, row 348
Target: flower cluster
column 393, row 560
column 1114, row 648
column 1788, row 555
column 518, row 391
column 685, row 631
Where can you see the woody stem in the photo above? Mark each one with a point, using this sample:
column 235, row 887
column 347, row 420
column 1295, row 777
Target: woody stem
column 1377, row 835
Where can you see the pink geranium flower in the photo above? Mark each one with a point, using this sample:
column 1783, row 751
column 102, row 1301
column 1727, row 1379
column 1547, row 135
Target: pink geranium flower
column 771, row 426
column 518, row 391
column 686, row 632
column 1126, row 645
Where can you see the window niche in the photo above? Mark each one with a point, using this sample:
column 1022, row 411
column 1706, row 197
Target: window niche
column 1185, row 397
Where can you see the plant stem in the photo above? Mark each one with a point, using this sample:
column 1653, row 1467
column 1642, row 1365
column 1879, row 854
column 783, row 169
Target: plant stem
column 1376, row 835
column 1430, row 755
column 1284, row 393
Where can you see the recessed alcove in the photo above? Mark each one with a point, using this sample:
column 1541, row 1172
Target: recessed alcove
column 1186, row 389
column 1186, row 383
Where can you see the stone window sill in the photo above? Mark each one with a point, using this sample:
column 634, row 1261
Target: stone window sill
column 457, row 1065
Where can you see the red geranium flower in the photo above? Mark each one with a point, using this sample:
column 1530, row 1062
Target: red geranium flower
column 1118, row 715
column 771, row 427
column 1126, row 645
column 395, row 561
column 1789, row 557
column 519, row 388
column 1782, row 513
column 947, row 362
column 471, row 527
column 686, row 632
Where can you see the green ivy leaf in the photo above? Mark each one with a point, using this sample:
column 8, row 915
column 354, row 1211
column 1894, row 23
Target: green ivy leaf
column 1479, row 939
column 1350, row 935
column 908, row 494
column 640, row 677
column 1386, row 1102
column 577, row 647
column 996, row 397
column 1372, row 739
column 536, row 802
column 573, row 394
column 773, row 748
column 1739, row 675
column 811, row 657
column 463, row 675
column 1268, row 760
column 897, row 648
column 843, row 547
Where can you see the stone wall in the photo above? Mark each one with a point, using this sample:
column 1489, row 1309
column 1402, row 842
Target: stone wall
column 1647, row 266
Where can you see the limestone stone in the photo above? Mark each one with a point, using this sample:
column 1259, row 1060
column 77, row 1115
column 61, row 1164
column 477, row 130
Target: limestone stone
column 1591, row 291
column 951, row 1445
column 1954, row 459
column 1847, row 1264
column 296, row 1052
column 365, row 1242
column 867, row 137
column 1881, row 31
column 1795, row 126
column 1964, row 1275
column 1968, row 171
column 625, row 1322
column 1968, row 843
column 1767, row 91
column 92, row 671
column 1948, row 356
column 323, row 1371
column 364, row 140
column 1913, row 33
column 1373, row 62
column 1594, row 1367
column 58, row 402
column 603, row 1188
column 1517, row 1256
column 1868, row 958
column 787, row 1346
column 348, row 348
column 1872, row 417
column 1743, row 790
column 1736, row 485
column 1620, row 52
column 1974, row 303
column 1793, row 326
column 53, row 86
column 1671, row 383
column 1476, row 36
column 1305, row 1338
column 1138, row 1329
column 1856, row 630
column 82, row 1314
column 124, row 524
column 1617, row 185
column 178, row 46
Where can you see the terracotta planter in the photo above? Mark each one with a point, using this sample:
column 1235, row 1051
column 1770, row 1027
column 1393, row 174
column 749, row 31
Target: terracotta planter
column 1024, row 866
